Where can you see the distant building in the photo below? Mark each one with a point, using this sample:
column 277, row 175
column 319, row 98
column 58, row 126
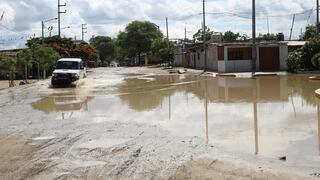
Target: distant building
column 236, row 56
column 11, row 52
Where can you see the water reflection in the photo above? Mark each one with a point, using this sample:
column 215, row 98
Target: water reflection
column 206, row 113
column 65, row 101
column 143, row 94
column 268, row 116
column 318, row 102
column 256, row 131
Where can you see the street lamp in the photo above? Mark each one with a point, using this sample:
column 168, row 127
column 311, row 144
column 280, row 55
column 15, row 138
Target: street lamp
column 43, row 25
column 50, row 30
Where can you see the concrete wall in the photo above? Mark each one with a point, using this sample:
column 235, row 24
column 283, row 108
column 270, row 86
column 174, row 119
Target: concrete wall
column 213, row 58
column 238, row 66
column 233, row 65
column 283, row 51
column 195, row 61
column 200, row 62
column 178, row 58
column 222, row 66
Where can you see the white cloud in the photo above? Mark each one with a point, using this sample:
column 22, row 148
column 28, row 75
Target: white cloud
column 109, row 17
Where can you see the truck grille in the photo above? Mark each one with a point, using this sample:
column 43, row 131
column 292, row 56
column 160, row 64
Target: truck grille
column 64, row 75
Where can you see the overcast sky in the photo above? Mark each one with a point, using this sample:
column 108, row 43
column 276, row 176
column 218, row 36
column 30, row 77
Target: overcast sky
column 23, row 18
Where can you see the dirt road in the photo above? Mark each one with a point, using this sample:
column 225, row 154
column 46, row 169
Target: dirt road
column 122, row 123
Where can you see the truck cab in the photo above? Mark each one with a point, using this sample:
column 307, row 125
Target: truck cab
column 68, row 71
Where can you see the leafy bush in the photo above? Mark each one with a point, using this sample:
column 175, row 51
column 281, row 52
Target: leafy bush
column 316, row 61
column 293, row 61
column 8, row 64
column 308, row 51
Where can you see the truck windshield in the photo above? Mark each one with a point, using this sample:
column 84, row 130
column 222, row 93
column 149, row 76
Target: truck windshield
column 67, row 65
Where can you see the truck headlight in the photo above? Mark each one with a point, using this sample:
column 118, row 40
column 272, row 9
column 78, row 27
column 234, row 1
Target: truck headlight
column 54, row 75
column 74, row 75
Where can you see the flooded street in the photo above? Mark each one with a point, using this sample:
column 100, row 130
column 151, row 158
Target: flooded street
column 125, row 125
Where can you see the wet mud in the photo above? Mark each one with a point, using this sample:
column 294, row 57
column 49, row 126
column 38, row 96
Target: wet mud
column 14, row 153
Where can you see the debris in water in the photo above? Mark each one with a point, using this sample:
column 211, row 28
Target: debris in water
column 315, row 174
column 283, row 158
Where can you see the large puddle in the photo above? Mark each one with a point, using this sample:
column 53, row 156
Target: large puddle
column 267, row 116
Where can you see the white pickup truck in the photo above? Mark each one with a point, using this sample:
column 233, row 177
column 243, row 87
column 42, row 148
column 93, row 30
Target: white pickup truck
column 68, row 71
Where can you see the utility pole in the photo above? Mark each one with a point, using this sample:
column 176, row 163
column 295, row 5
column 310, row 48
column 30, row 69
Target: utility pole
column 294, row 17
column 185, row 32
column 42, row 30
column 83, row 27
column 268, row 25
column 254, row 45
column 167, row 28
column 204, row 35
column 317, row 25
column 59, row 18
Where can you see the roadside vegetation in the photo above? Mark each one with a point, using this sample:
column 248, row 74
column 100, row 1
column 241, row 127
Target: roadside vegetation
column 140, row 40
column 8, row 64
column 307, row 58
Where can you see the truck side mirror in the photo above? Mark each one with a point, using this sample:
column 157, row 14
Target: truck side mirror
column 81, row 66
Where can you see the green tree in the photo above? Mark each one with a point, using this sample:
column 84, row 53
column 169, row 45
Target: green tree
column 230, row 36
column 105, row 46
column 85, row 52
column 244, row 37
column 34, row 41
column 198, row 36
column 293, row 61
column 267, row 37
column 8, row 64
column 137, row 38
column 160, row 48
column 65, row 43
column 308, row 51
column 24, row 59
column 46, row 57
column 310, row 32
column 316, row 61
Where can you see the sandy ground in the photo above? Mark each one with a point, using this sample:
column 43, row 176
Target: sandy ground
column 39, row 146
column 207, row 169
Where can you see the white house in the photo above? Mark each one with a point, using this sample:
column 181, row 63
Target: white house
column 237, row 56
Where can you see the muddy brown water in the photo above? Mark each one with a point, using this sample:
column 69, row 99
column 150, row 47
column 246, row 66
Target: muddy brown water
column 267, row 116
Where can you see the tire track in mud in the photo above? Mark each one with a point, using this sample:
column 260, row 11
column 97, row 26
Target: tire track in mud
column 43, row 159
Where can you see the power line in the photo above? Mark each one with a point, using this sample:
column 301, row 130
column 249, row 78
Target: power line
column 269, row 16
column 309, row 17
column 12, row 30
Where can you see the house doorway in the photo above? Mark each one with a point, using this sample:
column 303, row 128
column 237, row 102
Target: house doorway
column 269, row 59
